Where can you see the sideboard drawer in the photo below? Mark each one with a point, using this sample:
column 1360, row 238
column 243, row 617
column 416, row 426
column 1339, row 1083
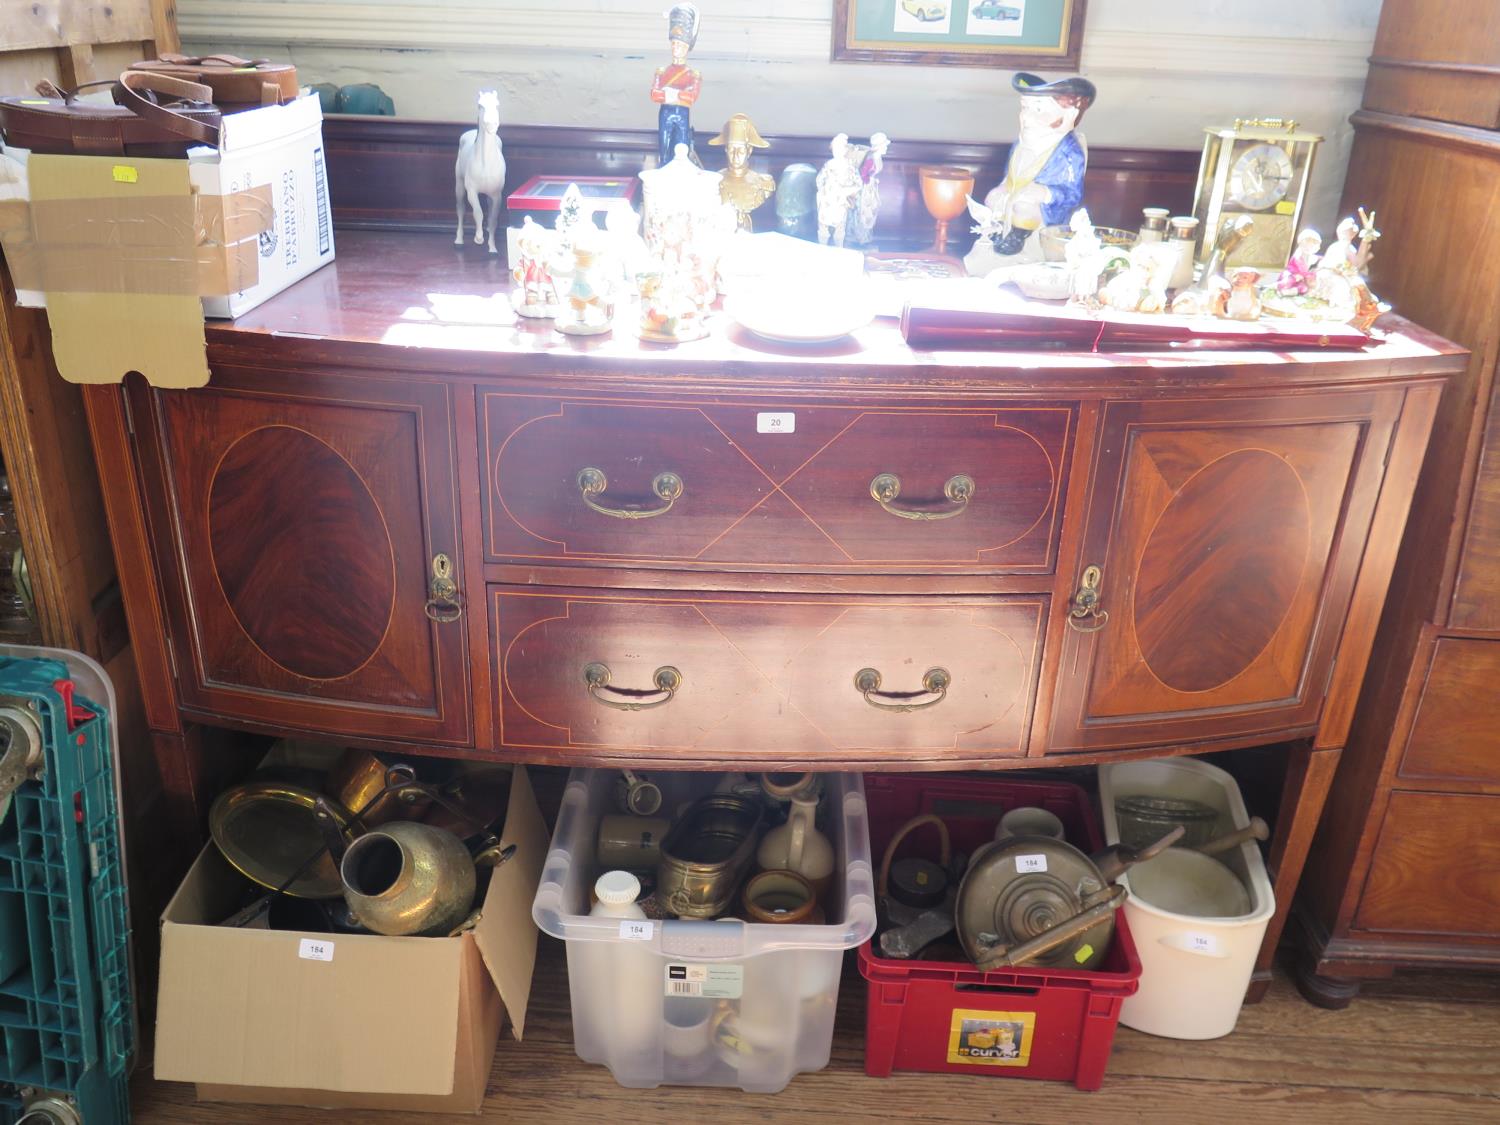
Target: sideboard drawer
column 789, row 486
column 765, row 676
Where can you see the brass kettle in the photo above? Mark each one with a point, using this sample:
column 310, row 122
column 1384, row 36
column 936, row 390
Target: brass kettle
column 406, row 878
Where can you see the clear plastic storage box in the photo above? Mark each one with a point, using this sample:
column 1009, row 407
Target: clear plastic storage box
column 718, row 1003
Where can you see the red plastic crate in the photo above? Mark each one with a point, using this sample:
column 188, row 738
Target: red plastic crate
column 1064, row 1020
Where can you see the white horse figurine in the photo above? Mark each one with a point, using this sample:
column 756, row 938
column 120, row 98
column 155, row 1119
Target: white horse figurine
column 480, row 170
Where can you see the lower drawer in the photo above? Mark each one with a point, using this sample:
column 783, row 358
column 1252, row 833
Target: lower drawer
column 1454, row 736
column 765, row 676
column 1436, row 869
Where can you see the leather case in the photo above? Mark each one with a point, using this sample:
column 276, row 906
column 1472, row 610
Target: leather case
column 161, row 116
column 237, row 83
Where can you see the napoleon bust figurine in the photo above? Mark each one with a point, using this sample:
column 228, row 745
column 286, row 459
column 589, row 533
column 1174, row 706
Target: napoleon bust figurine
column 677, row 85
column 1043, row 182
column 742, row 188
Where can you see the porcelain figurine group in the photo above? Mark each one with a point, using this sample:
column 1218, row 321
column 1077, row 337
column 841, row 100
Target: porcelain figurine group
column 569, row 273
column 1098, row 275
column 1330, row 283
column 577, row 274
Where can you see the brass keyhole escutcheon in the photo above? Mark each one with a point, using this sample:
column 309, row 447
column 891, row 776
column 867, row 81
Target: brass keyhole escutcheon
column 1085, row 614
column 444, row 602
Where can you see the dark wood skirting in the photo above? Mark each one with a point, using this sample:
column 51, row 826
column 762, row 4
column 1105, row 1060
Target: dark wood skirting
column 390, row 173
column 1470, row 137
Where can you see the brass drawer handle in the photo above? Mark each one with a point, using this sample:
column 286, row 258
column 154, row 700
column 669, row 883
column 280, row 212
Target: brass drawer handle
column 444, row 603
column 958, row 491
column 1084, row 614
column 667, row 680
column 593, row 482
column 934, row 682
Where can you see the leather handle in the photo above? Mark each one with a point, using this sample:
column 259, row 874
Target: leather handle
column 131, row 91
column 233, row 62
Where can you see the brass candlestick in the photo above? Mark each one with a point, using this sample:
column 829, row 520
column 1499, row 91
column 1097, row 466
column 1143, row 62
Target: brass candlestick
column 945, row 193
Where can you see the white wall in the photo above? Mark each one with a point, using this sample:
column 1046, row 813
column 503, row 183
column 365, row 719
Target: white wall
column 1164, row 68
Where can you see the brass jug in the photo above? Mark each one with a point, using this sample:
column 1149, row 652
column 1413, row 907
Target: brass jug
column 407, row 879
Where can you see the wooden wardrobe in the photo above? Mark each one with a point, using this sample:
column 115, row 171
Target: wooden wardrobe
column 1405, row 870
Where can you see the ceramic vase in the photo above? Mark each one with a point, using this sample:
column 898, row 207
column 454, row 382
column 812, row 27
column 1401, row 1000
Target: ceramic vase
column 798, row 846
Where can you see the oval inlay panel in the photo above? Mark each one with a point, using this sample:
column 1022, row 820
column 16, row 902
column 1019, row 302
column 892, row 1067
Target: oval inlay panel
column 301, row 551
column 1221, row 569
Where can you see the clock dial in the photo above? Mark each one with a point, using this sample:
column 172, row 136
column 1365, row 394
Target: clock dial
column 1260, row 177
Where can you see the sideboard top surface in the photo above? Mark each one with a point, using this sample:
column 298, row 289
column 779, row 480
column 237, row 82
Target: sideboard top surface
column 417, row 304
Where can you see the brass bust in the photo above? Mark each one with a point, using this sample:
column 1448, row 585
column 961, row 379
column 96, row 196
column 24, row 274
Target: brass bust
column 741, row 188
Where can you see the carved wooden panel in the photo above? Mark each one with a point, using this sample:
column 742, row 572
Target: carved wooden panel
column 1454, row 734
column 307, row 523
column 775, row 486
column 766, row 675
column 1436, row 868
column 1228, row 536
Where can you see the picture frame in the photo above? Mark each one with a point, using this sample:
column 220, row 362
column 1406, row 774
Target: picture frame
column 1038, row 34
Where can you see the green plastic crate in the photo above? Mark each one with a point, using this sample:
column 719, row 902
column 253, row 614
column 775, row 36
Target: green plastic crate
column 67, row 1024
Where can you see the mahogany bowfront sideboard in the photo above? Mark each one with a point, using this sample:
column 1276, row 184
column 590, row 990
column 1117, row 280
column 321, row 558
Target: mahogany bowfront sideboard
column 397, row 519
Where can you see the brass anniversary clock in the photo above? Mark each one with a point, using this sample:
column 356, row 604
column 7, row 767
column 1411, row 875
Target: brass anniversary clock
column 1257, row 167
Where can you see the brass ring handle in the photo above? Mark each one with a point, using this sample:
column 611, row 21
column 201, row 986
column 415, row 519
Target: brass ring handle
column 934, row 682
column 667, row 680
column 958, row 491
column 1090, row 623
column 444, row 611
column 593, row 482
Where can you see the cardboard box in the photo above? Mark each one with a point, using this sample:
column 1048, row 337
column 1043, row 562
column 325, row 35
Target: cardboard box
column 360, row 1022
column 280, row 148
column 128, row 255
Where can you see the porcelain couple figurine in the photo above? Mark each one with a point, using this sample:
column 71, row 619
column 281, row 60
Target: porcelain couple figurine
column 1330, row 283
column 848, row 190
column 1043, row 182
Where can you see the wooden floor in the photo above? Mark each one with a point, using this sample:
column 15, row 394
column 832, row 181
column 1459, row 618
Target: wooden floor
column 1422, row 1048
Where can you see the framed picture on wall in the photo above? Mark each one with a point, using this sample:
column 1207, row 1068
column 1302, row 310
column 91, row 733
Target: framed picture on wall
column 1043, row 34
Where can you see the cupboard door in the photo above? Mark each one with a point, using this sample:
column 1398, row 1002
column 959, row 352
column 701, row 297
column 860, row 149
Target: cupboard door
column 307, row 514
column 1227, row 537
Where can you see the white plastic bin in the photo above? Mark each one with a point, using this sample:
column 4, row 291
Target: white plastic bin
column 1194, row 970
column 771, row 991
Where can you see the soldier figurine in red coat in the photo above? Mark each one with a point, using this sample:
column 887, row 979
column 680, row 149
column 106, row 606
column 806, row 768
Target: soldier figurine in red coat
column 677, row 85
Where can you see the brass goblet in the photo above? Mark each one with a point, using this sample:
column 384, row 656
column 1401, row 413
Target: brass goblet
column 945, row 192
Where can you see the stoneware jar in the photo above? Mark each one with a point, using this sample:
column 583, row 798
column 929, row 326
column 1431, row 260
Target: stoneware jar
column 798, row 846
column 781, row 898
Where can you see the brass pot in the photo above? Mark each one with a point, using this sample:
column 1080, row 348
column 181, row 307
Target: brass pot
column 408, row 879
column 358, row 780
column 706, row 854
